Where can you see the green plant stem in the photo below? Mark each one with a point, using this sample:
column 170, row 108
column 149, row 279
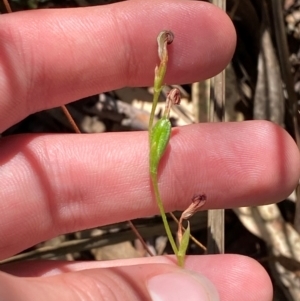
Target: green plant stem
column 154, row 104
column 158, row 86
column 159, row 134
column 162, row 212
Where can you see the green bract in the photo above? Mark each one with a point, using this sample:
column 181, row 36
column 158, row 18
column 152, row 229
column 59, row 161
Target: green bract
column 159, row 139
column 184, row 245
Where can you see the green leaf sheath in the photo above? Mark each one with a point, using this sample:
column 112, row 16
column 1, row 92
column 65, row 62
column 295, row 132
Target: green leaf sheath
column 183, row 245
column 159, row 139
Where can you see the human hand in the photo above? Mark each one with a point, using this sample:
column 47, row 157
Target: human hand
column 54, row 184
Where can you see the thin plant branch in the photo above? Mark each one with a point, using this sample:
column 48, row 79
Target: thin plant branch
column 7, row 6
column 138, row 235
column 159, row 136
column 70, row 119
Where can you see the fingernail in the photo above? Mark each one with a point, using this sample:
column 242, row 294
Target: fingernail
column 181, row 285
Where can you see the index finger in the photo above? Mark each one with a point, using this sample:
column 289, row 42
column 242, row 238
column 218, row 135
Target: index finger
column 52, row 57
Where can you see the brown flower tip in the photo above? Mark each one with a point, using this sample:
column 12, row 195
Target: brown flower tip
column 169, row 36
column 198, row 198
column 174, row 96
column 164, row 38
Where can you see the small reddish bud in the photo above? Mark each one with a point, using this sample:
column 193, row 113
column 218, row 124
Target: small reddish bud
column 174, row 96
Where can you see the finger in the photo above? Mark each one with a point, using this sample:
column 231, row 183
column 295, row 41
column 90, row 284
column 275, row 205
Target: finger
column 51, row 57
column 54, row 184
column 232, row 275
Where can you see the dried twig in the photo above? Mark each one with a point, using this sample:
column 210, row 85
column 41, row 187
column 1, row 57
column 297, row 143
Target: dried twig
column 282, row 240
column 215, row 242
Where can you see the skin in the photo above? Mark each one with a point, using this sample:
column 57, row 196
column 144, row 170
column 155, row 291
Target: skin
column 53, row 184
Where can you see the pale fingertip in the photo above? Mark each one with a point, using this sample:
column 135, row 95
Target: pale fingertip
column 239, row 274
column 180, row 286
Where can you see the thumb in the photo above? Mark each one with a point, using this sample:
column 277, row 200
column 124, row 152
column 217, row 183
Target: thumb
column 158, row 282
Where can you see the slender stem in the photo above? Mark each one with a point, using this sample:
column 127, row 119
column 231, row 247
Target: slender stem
column 70, row 119
column 139, row 236
column 162, row 212
column 7, row 6
column 154, row 104
column 158, row 86
column 180, row 261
